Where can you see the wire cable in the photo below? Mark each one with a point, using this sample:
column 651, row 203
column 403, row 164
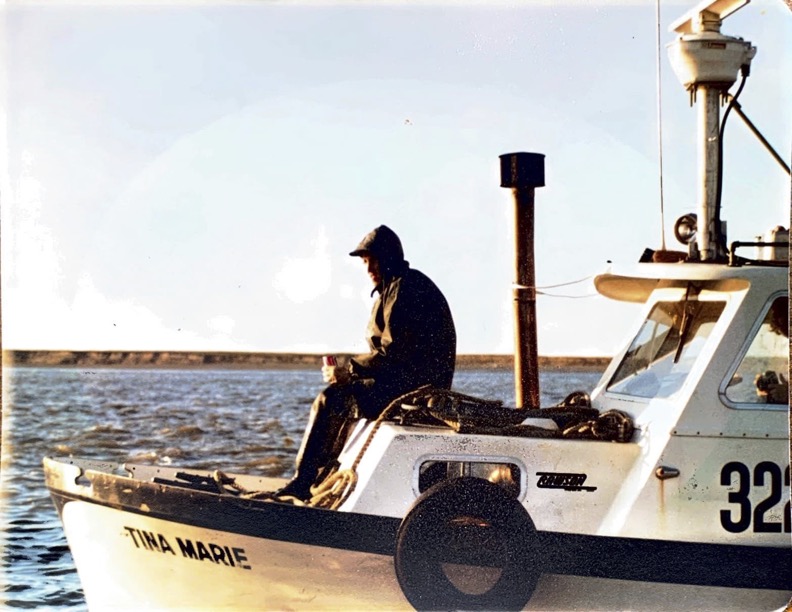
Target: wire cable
column 572, row 297
column 719, row 190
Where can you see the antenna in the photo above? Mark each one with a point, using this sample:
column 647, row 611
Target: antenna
column 718, row 9
column 660, row 130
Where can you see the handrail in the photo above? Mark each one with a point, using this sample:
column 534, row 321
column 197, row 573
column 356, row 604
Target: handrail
column 738, row 243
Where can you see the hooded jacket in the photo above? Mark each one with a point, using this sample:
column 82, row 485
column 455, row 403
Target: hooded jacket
column 411, row 333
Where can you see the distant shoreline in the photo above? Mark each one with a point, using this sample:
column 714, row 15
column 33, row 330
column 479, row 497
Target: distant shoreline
column 251, row 361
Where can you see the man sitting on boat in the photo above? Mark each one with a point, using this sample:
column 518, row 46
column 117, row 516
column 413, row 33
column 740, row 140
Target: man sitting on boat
column 412, row 342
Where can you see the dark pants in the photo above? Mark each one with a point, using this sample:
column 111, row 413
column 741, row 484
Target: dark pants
column 333, row 414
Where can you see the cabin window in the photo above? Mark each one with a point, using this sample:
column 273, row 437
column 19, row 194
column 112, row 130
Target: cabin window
column 507, row 475
column 663, row 353
column 762, row 376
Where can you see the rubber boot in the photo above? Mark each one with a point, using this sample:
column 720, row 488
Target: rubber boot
column 321, row 438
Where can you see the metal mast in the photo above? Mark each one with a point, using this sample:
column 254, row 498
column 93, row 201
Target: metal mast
column 707, row 63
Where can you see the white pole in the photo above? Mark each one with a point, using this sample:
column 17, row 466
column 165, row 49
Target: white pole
column 708, row 135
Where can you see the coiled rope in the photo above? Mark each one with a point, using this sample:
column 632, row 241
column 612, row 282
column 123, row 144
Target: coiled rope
column 334, row 490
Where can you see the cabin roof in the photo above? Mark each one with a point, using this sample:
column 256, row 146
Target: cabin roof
column 636, row 283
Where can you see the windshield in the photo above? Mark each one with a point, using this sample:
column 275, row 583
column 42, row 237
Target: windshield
column 668, row 343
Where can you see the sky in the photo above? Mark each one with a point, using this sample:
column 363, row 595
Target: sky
column 193, row 176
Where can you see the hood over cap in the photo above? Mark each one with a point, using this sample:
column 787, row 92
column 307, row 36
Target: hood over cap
column 382, row 243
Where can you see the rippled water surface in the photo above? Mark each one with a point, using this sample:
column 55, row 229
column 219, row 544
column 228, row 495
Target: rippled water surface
column 243, row 421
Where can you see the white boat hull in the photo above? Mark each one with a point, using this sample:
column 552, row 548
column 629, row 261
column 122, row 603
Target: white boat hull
column 142, row 545
column 198, row 568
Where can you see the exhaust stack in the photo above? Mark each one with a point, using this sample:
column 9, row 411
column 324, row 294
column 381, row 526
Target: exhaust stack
column 522, row 173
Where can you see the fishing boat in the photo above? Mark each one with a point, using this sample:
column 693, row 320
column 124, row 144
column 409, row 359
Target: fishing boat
column 665, row 487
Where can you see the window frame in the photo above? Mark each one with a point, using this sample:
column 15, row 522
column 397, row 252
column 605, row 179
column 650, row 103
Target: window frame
column 481, row 459
column 740, row 356
column 667, row 296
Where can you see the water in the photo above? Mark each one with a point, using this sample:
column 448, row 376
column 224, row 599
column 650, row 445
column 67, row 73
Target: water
column 243, row 421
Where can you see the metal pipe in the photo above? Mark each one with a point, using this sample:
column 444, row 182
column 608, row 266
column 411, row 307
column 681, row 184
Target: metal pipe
column 522, row 173
column 755, row 131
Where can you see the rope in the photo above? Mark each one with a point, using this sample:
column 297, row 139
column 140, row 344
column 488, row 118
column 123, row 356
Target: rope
column 225, row 482
column 222, row 480
column 612, row 425
column 334, row 490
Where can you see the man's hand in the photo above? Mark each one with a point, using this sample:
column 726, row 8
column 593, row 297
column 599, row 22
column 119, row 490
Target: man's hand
column 335, row 375
column 773, row 387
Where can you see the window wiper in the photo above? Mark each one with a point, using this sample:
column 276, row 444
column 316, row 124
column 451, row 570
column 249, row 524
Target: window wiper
column 684, row 328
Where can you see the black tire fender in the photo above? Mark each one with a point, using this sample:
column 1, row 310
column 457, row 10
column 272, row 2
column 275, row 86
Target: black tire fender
column 467, row 521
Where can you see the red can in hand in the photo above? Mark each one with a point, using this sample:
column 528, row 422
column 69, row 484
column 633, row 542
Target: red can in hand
column 329, row 360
